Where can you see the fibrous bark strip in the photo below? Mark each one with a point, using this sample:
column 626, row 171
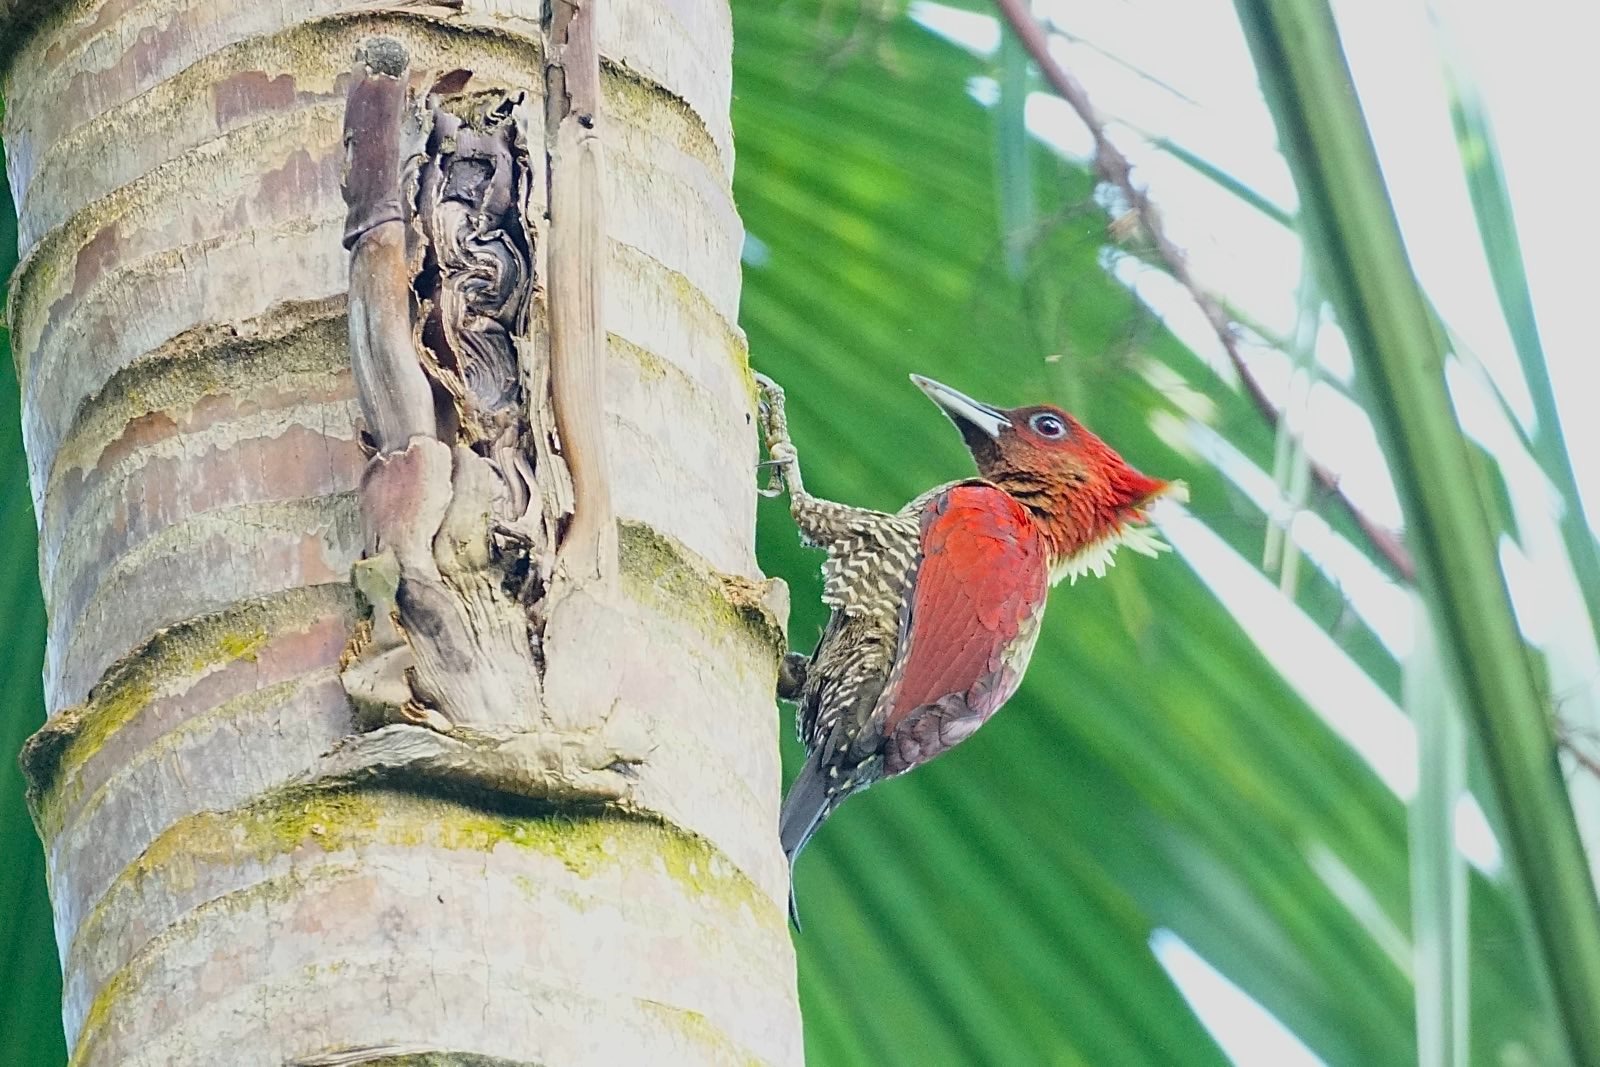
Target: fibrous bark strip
column 479, row 425
column 574, row 172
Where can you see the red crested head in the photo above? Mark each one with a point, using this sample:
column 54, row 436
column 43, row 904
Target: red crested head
column 1086, row 499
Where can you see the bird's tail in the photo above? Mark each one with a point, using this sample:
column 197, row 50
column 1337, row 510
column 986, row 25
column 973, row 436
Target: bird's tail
column 804, row 810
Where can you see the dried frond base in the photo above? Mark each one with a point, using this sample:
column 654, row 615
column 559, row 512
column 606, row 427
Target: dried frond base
column 595, row 766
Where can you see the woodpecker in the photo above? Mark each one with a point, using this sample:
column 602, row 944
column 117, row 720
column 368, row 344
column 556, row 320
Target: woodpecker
column 935, row 609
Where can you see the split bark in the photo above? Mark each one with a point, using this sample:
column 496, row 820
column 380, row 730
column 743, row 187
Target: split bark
column 538, row 827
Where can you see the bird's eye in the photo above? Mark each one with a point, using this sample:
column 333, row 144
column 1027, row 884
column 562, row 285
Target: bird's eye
column 1047, row 425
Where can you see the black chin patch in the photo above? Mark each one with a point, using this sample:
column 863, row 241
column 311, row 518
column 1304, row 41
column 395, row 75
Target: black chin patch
column 984, row 448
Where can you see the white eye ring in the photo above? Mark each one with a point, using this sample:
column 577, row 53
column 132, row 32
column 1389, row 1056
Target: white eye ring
column 1047, row 425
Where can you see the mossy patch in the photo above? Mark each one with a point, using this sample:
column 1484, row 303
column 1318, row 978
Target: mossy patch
column 635, row 100
column 65, row 743
column 652, row 368
column 671, row 579
column 691, row 861
column 688, row 301
column 105, row 1000
column 714, row 1046
column 335, row 820
column 351, row 819
column 293, row 342
column 72, row 737
column 239, row 647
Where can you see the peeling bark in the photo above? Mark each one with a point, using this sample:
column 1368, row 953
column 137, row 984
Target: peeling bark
column 472, row 517
column 404, row 622
column 575, row 166
column 395, row 398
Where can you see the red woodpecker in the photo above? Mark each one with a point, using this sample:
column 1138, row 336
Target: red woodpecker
column 936, row 608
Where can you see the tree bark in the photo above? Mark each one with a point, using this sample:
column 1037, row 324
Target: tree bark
column 238, row 872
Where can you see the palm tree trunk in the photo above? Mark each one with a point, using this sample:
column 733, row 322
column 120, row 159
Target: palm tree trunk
column 581, row 872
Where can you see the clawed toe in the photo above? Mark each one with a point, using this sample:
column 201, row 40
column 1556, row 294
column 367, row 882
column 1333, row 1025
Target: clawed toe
column 792, row 675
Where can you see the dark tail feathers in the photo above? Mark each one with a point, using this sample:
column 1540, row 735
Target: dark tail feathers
column 805, row 809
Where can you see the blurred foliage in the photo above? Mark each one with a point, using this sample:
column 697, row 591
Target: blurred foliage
column 1401, row 353
column 1155, row 772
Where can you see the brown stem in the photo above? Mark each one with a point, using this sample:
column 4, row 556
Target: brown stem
column 395, row 398
column 1572, row 740
column 576, row 174
column 1112, row 166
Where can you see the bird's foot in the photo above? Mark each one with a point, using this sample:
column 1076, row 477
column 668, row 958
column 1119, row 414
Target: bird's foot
column 774, row 483
column 784, row 462
column 792, row 675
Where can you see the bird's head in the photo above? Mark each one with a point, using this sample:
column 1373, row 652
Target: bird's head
column 1085, row 497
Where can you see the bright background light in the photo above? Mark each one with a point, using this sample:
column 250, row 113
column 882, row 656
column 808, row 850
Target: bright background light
column 1178, row 72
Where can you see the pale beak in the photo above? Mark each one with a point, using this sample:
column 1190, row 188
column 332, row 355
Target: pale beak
column 962, row 409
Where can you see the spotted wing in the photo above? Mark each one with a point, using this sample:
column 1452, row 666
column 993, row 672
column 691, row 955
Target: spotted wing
column 871, row 558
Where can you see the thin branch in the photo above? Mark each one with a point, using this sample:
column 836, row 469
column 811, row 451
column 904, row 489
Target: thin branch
column 1112, row 166
column 1575, row 742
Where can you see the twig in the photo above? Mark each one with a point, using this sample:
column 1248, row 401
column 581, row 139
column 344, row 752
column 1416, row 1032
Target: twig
column 1112, row 166
column 1570, row 739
